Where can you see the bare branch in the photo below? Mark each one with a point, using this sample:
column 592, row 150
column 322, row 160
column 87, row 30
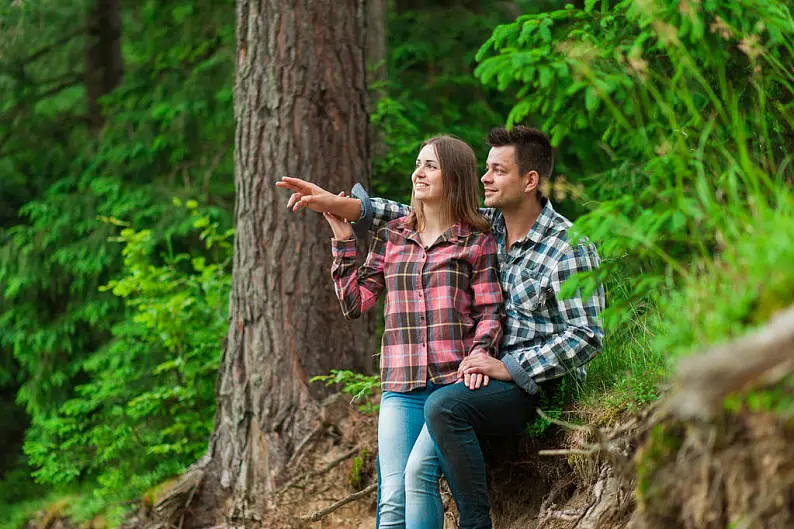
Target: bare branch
column 319, row 515
column 564, row 424
column 347, row 455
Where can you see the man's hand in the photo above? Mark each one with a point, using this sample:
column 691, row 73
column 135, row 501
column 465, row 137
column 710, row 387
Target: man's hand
column 477, row 369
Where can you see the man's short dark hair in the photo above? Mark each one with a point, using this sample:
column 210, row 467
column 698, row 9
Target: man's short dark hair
column 533, row 148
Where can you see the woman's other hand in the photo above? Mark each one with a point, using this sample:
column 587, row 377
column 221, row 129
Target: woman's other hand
column 342, row 229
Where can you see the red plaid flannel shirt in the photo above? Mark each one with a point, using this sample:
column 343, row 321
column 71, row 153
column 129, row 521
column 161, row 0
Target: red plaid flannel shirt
column 442, row 303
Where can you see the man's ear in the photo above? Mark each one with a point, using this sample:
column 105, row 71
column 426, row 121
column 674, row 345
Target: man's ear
column 532, row 181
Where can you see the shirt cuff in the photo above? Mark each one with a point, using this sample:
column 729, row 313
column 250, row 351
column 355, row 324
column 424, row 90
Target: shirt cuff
column 343, row 248
column 364, row 223
column 520, row 376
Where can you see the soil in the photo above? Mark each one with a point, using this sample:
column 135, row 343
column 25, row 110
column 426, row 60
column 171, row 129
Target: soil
column 636, row 471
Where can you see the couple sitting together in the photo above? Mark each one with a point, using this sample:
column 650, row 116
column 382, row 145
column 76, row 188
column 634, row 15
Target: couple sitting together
column 462, row 356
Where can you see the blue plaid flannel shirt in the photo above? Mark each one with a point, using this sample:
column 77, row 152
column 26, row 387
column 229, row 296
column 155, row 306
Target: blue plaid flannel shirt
column 544, row 336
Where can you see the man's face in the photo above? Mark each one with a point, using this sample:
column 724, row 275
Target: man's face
column 504, row 185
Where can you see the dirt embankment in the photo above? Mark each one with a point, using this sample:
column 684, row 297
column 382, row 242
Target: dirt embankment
column 716, row 452
column 649, row 471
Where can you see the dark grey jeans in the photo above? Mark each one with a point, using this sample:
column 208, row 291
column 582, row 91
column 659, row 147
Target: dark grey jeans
column 455, row 416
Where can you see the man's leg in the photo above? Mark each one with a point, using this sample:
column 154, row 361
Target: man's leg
column 454, row 415
column 400, row 420
column 423, row 506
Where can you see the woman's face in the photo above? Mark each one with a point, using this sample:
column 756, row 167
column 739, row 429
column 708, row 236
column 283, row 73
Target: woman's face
column 427, row 181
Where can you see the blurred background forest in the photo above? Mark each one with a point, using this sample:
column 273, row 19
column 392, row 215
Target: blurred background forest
column 673, row 122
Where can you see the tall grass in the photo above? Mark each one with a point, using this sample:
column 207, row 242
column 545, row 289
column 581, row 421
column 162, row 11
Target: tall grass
column 690, row 178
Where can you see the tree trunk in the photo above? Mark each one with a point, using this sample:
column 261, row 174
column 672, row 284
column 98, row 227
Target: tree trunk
column 103, row 61
column 377, row 67
column 301, row 109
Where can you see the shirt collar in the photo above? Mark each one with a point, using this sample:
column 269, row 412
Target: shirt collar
column 539, row 227
column 457, row 233
column 542, row 223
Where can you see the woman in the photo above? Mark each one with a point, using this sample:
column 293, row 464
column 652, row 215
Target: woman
column 438, row 267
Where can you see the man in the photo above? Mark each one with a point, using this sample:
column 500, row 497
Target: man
column 545, row 336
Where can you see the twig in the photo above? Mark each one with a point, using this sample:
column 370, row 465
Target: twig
column 571, row 451
column 748, row 522
column 316, row 473
column 564, row 424
column 298, row 454
column 319, row 515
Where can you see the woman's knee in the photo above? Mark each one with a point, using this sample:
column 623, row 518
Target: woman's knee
column 392, row 491
column 421, row 473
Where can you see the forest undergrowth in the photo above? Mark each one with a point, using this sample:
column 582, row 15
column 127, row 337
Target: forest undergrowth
column 672, row 122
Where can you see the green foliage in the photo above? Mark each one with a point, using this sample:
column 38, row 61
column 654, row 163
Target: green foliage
column 679, row 115
column 355, row 477
column 777, row 399
column 168, row 132
column 359, row 386
column 431, row 88
column 672, row 120
column 146, row 410
column 552, row 400
column 55, row 252
column 659, row 449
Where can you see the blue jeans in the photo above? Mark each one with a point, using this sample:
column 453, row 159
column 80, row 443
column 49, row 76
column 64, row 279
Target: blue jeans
column 455, row 415
column 400, row 425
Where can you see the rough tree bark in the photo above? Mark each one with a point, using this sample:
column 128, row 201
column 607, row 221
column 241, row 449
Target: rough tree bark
column 377, row 69
column 103, row 61
column 301, row 109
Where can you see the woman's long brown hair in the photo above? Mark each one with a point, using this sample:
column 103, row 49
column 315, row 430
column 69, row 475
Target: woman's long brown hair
column 458, row 166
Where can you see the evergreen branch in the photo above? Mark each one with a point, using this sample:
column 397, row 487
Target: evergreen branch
column 60, row 88
column 60, row 42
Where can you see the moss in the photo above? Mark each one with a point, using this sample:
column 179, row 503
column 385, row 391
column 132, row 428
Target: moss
column 357, row 475
column 777, row 399
column 776, row 294
column 155, row 494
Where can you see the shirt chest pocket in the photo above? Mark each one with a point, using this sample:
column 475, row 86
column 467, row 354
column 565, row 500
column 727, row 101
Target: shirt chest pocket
column 527, row 292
